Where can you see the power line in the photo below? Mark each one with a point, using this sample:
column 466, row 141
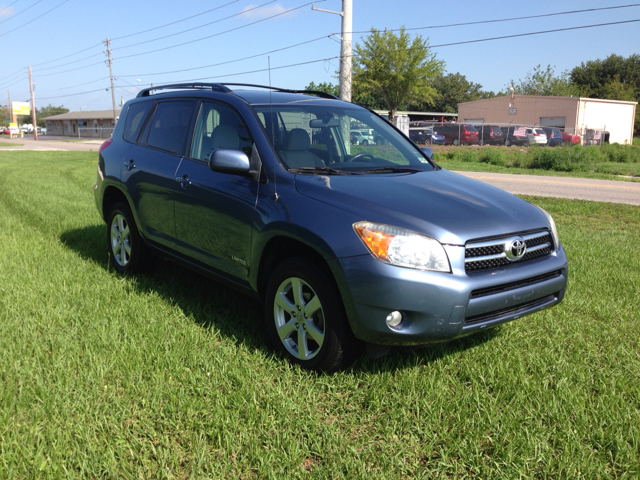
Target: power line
column 74, row 94
column 229, row 61
column 215, row 34
column 34, row 19
column 70, row 63
column 195, row 28
column 127, row 46
column 511, row 19
column 17, row 72
column 207, row 11
column 20, row 12
column 177, row 21
column 133, row 34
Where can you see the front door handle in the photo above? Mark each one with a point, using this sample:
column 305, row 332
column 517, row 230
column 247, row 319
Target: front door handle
column 130, row 165
column 183, row 181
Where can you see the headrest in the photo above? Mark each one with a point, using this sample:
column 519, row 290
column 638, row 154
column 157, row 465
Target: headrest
column 225, row 136
column 297, row 139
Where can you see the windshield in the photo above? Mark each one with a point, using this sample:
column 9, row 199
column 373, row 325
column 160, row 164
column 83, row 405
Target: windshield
column 338, row 139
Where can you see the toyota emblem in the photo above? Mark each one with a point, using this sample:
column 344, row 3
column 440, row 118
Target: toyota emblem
column 515, row 248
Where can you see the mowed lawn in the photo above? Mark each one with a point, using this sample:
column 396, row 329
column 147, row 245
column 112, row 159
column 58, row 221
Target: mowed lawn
column 169, row 375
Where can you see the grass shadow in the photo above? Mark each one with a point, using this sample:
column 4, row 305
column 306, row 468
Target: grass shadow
column 235, row 315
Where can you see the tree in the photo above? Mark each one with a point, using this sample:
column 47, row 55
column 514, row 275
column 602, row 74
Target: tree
column 326, row 87
column 396, row 68
column 453, row 89
column 547, row 83
column 614, row 78
column 48, row 111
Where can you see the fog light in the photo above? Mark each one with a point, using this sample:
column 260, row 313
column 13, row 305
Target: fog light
column 394, row 319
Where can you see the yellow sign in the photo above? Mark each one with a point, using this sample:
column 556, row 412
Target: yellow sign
column 20, row 108
column 13, row 124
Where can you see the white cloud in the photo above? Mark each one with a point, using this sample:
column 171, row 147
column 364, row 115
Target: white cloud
column 251, row 11
column 6, row 12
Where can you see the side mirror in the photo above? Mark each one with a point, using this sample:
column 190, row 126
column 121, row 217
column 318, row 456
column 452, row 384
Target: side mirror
column 428, row 151
column 227, row 160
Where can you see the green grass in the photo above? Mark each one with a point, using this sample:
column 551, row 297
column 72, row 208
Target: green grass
column 169, row 375
column 10, row 144
column 607, row 162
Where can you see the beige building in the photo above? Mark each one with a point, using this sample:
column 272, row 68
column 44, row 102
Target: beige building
column 94, row 124
column 576, row 115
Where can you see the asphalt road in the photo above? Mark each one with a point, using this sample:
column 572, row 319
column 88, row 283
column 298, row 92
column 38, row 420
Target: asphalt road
column 48, row 143
column 564, row 187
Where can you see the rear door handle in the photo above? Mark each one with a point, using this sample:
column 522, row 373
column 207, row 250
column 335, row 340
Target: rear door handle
column 183, row 181
column 130, row 165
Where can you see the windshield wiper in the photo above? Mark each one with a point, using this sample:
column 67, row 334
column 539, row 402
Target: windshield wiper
column 320, row 171
column 391, row 170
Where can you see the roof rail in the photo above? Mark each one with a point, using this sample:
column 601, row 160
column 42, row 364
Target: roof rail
column 285, row 90
column 223, row 88
column 216, row 87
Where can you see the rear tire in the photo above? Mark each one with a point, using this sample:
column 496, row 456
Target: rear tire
column 456, row 142
column 305, row 318
column 127, row 251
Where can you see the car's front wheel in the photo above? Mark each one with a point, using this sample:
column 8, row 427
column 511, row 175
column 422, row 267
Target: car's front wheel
column 305, row 317
column 127, row 251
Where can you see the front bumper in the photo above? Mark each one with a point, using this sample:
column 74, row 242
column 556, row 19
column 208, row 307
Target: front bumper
column 438, row 307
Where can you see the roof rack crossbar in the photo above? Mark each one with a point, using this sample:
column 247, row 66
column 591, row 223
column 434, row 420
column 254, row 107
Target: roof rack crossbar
column 216, row 87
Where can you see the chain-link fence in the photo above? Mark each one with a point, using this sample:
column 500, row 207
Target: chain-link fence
column 451, row 133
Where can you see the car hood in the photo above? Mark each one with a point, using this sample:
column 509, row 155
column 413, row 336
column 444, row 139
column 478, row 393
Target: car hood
column 446, row 206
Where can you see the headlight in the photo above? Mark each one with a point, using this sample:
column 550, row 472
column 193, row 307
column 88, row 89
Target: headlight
column 404, row 248
column 552, row 225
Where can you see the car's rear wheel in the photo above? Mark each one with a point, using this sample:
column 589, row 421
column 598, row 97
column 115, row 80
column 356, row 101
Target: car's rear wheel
column 456, row 142
column 525, row 144
column 305, row 317
column 127, row 251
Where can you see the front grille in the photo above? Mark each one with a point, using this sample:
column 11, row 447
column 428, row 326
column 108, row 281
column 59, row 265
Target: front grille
column 489, row 254
column 505, row 287
column 485, row 317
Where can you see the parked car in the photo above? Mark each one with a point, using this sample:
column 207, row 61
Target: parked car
column 569, row 139
column 425, row 136
column 380, row 248
column 356, row 137
column 554, row 136
column 490, row 135
column 537, row 136
column 457, row 133
column 367, row 137
column 4, row 130
column 515, row 135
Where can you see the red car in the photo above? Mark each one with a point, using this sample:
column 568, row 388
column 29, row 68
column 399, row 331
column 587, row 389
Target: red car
column 5, row 130
column 568, row 139
column 457, row 133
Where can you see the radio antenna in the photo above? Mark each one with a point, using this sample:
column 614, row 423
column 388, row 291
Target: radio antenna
column 273, row 136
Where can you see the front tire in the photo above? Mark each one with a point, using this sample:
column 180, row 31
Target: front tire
column 305, row 318
column 127, row 251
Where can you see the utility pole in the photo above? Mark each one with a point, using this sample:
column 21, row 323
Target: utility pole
column 345, row 47
column 33, row 108
column 12, row 117
column 107, row 42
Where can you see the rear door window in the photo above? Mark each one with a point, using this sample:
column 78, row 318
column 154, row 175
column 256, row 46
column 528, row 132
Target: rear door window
column 170, row 125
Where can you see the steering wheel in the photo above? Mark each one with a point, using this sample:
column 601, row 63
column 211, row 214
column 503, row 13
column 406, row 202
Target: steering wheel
column 362, row 155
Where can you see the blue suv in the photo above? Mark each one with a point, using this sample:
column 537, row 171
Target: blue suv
column 345, row 245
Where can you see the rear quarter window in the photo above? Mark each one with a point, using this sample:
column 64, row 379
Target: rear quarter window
column 136, row 116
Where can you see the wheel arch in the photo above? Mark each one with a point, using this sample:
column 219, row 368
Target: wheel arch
column 111, row 196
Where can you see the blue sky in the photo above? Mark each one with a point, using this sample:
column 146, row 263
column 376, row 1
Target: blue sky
column 67, row 27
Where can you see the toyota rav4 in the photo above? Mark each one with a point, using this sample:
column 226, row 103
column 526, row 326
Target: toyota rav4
column 345, row 245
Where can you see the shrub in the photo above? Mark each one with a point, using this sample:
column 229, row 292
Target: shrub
column 621, row 153
column 493, row 156
column 469, row 155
